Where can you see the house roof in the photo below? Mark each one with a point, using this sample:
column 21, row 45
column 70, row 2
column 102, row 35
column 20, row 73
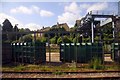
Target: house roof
column 45, row 29
column 63, row 25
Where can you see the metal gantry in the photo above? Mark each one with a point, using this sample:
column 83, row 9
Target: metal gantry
column 90, row 19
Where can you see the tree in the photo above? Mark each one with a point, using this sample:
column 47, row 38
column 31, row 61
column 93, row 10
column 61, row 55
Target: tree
column 54, row 29
column 16, row 36
column 7, row 27
column 26, row 38
column 21, row 30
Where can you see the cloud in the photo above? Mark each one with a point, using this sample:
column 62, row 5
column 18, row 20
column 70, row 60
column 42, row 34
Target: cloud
column 31, row 10
column 98, row 7
column 84, row 6
column 21, row 9
column 11, row 19
column 63, row 3
column 45, row 13
column 73, row 11
column 70, row 15
column 35, row 9
column 31, row 26
column 73, row 8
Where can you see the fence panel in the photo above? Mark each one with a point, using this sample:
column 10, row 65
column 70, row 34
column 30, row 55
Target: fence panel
column 29, row 52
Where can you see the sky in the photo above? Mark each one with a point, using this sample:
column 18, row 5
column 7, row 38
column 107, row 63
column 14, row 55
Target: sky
column 35, row 15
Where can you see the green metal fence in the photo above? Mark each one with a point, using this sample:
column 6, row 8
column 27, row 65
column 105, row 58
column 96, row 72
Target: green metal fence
column 81, row 52
column 115, row 52
column 29, row 52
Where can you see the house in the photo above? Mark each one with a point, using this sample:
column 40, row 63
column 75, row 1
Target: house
column 44, row 29
column 78, row 22
column 63, row 25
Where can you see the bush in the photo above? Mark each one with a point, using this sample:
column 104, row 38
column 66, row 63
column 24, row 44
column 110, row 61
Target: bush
column 77, row 39
column 65, row 40
column 59, row 40
column 53, row 40
column 43, row 39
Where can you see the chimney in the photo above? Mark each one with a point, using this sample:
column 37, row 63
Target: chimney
column 57, row 24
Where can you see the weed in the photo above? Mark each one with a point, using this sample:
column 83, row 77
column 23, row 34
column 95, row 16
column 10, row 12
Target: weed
column 58, row 73
column 96, row 64
column 19, row 68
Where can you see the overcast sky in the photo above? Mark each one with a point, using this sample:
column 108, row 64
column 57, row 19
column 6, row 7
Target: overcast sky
column 35, row 15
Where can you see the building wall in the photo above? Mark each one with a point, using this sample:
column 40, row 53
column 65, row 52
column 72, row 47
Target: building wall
column 66, row 27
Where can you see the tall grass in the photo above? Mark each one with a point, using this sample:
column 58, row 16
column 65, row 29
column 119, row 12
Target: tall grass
column 96, row 64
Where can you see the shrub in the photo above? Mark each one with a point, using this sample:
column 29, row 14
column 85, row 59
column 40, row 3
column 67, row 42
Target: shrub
column 43, row 39
column 65, row 40
column 53, row 40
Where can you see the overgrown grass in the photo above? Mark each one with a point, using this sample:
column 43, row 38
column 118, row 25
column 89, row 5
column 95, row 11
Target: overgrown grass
column 96, row 64
column 113, row 67
column 19, row 68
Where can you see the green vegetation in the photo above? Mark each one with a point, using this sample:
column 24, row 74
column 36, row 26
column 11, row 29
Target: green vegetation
column 58, row 73
column 54, row 40
column 105, row 34
column 19, row 68
column 26, row 38
column 52, row 49
column 113, row 67
column 96, row 64
column 65, row 40
column 93, row 66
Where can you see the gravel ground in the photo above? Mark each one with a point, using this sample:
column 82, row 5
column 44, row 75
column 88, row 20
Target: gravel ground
column 72, row 75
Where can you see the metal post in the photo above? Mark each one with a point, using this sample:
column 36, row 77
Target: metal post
column 22, row 46
column 76, row 50
column 113, row 26
column 62, row 39
column 64, row 48
column 14, row 53
column 92, row 32
column 34, row 47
